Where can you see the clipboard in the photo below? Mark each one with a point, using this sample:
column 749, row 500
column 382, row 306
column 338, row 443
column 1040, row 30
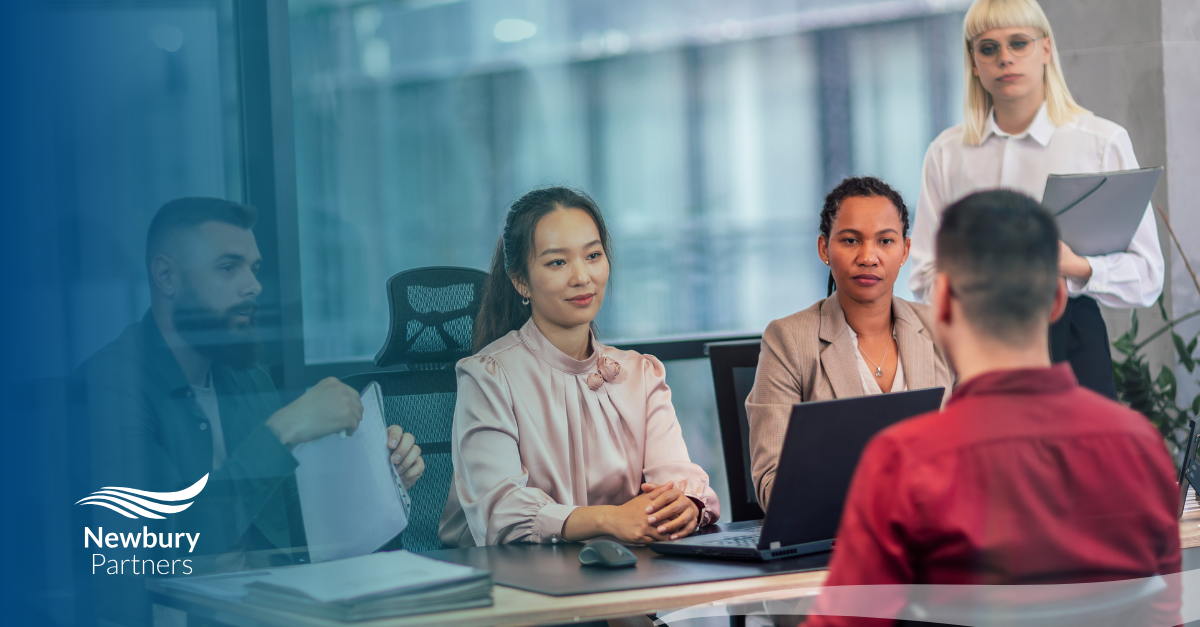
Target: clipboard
column 351, row 496
column 1098, row 214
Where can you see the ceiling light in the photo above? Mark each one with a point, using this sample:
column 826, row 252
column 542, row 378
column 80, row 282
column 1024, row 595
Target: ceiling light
column 510, row 31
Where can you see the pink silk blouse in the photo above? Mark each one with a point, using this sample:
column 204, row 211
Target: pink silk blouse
column 537, row 434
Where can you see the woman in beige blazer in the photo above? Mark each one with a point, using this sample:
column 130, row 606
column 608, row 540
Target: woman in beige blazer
column 860, row 340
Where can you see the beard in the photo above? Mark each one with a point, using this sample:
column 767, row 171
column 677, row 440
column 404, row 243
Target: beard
column 216, row 334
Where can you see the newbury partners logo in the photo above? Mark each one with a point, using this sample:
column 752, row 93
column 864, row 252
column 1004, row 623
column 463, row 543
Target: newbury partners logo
column 130, row 504
column 136, row 504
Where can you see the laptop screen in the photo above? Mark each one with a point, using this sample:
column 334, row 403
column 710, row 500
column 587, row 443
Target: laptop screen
column 820, row 452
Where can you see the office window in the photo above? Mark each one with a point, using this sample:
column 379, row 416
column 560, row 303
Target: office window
column 120, row 107
column 145, row 110
column 697, row 127
column 898, row 104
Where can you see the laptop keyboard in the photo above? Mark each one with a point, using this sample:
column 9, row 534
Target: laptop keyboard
column 744, row 540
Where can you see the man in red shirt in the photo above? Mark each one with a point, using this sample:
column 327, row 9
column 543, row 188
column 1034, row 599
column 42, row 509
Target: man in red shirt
column 1025, row 477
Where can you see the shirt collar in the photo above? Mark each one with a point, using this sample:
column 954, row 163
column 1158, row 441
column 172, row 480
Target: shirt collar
column 1056, row 378
column 1041, row 129
column 833, row 318
column 532, row 337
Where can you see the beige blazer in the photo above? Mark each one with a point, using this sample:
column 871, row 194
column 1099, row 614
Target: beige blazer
column 810, row 356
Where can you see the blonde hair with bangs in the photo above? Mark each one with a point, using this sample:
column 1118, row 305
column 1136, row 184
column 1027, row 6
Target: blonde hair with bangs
column 985, row 15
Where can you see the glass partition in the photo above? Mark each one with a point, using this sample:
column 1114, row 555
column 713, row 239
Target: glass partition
column 697, row 127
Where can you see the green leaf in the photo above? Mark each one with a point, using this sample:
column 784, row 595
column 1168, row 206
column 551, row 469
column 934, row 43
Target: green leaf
column 1127, row 342
column 1185, row 356
column 1133, row 324
column 1196, row 405
column 1136, row 387
column 1166, row 383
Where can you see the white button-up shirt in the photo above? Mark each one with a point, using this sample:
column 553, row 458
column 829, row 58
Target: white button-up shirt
column 1022, row 162
column 867, row 374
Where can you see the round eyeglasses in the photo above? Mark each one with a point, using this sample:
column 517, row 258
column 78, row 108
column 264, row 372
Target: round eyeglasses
column 1019, row 46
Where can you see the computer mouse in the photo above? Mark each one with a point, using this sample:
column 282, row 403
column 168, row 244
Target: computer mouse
column 606, row 553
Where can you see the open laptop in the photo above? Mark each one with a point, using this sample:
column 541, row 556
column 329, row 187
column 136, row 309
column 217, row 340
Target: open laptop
column 820, row 452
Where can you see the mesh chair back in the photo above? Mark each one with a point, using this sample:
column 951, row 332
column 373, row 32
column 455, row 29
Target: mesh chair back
column 733, row 368
column 432, row 315
column 422, row 402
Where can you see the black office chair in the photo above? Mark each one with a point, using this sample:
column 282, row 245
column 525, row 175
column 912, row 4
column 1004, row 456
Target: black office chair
column 733, row 368
column 432, row 318
column 422, row 402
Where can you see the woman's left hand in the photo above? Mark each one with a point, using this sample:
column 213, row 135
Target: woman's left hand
column 673, row 512
column 1071, row 265
column 406, row 455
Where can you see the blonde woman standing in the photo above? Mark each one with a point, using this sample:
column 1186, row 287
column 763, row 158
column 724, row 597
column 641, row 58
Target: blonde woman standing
column 1020, row 124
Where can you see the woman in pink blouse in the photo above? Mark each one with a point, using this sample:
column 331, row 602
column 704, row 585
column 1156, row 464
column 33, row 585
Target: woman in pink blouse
column 557, row 436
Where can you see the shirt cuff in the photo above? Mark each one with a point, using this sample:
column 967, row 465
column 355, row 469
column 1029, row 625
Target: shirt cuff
column 1096, row 284
column 702, row 516
column 548, row 525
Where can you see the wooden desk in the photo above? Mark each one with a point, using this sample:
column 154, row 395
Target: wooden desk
column 517, row 607
column 1189, row 525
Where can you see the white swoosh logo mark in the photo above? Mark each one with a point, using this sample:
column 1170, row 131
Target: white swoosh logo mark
column 126, row 501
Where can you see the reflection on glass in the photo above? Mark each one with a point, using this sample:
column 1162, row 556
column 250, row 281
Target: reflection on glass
column 696, row 128
column 147, row 110
column 177, row 405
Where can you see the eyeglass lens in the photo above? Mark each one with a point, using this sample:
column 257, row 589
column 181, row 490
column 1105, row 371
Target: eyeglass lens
column 1018, row 46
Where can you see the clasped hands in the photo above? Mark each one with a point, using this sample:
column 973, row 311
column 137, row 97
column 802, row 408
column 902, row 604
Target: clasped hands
column 660, row 512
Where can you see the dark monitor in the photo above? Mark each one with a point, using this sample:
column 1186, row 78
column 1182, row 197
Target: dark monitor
column 733, row 366
column 820, row 453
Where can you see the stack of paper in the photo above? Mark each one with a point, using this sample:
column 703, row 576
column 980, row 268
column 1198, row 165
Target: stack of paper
column 374, row 586
column 381, row 585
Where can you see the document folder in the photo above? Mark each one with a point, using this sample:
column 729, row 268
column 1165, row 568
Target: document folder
column 1099, row 213
column 352, row 500
column 380, row 585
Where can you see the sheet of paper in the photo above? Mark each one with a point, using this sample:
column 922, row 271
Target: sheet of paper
column 351, row 498
column 367, row 575
column 223, row 586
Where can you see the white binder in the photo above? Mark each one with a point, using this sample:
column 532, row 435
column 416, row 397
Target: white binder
column 351, row 496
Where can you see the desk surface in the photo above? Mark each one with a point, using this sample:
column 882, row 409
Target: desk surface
column 518, row 607
column 553, row 569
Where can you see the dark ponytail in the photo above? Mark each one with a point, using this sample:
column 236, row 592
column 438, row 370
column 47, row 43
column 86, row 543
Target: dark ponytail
column 501, row 310
column 859, row 187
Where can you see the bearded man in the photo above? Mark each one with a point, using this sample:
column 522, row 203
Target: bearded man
column 179, row 395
